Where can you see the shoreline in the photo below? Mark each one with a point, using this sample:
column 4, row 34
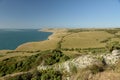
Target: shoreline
column 42, row 30
column 50, row 43
column 47, row 30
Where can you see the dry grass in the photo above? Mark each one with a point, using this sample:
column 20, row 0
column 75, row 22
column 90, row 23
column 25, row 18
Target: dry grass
column 90, row 39
column 43, row 45
column 51, row 43
column 106, row 76
column 6, row 54
column 81, row 75
column 118, row 33
column 115, row 39
column 72, row 54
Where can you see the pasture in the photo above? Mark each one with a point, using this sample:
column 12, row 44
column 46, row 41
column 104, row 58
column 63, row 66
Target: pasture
column 86, row 39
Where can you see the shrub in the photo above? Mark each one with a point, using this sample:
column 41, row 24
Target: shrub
column 11, row 65
column 26, row 76
column 36, row 75
column 113, row 45
column 54, row 57
column 51, row 75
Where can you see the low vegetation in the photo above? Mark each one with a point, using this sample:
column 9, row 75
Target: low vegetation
column 12, row 65
column 54, row 57
column 86, row 50
column 76, row 42
column 91, row 39
column 113, row 45
column 36, row 75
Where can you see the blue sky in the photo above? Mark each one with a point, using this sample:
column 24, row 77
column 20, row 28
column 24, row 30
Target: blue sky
column 59, row 13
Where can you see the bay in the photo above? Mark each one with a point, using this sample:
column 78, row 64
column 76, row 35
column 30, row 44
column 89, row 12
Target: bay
column 11, row 38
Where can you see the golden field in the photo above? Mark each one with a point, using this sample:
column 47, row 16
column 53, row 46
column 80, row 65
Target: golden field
column 89, row 39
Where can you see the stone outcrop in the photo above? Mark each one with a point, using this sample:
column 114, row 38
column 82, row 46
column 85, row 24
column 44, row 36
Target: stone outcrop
column 79, row 62
column 84, row 61
column 112, row 58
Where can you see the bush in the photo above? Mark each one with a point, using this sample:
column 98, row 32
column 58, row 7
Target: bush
column 51, row 75
column 54, row 57
column 11, row 65
column 112, row 31
column 113, row 45
column 26, row 76
column 44, row 75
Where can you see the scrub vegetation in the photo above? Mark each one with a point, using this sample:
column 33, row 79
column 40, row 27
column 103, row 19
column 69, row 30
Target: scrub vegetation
column 17, row 64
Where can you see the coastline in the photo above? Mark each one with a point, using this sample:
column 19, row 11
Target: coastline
column 50, row 43
column 47, row 30
column 48, row 38
column 55, row 31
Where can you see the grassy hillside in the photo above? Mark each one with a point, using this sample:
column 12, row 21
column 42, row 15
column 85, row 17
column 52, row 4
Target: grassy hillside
column 62, row 45
column 91, row 39
column 21, row 64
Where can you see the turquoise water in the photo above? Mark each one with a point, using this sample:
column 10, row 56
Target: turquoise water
column 11, row 38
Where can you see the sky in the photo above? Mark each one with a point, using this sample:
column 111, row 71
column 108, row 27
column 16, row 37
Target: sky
column 59, row 13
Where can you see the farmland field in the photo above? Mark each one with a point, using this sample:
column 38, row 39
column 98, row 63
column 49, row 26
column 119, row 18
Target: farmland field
column 87, row 39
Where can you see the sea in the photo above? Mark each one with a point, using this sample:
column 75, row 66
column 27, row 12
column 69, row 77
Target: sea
column 12, row 38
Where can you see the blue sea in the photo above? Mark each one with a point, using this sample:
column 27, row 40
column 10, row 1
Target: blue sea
column 11, row 38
